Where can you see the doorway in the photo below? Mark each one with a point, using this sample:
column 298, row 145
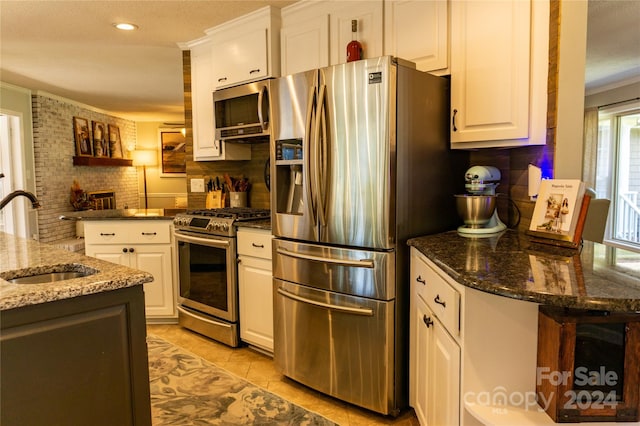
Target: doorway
column 17, row 218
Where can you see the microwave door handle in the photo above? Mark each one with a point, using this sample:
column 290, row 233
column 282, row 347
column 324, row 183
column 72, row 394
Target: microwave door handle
column 264, row 125
column 330, row 306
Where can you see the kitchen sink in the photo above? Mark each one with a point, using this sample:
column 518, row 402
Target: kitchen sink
column 48, row 274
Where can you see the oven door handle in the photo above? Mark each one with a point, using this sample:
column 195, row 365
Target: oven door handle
column 362, row 263
column 202, row 241
column 346, row 309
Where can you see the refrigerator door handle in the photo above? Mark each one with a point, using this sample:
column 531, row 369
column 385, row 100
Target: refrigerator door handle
column 362, row 263
column 309, row 175
column 321, row 155
column 345, row 309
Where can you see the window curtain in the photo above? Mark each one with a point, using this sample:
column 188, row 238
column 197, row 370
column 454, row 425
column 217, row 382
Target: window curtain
column 590, row 147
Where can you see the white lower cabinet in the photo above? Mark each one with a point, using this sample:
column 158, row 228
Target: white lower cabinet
column 255, row 287
column 472, row 353
column 434, row 357
column 145, row 246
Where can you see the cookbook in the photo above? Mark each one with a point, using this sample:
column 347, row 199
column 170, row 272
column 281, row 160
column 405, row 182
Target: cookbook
column 558, row 211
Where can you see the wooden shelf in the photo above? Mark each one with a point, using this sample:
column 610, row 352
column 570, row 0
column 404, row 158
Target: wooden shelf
column 100, row 161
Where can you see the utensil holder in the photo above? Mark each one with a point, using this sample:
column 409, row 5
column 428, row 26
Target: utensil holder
column 238, row 199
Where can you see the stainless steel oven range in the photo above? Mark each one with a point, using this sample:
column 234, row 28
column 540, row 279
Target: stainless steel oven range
column 206, row 247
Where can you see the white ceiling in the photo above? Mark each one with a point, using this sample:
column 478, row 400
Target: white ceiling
column 70, row 48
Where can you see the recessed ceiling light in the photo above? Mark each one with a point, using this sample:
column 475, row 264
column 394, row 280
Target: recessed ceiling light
column 125, row 26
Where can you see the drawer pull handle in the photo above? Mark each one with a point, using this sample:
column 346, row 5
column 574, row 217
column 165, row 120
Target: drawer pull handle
column 440, row 302
column 221, row 79
column 254, row 71
column 453, row 120
column 257, row 245
column 428, row 321
column 421, row 280
column 149, row 233
column 102, row 234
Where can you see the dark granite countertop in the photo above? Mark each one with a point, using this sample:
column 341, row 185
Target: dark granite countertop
column 511, row 265
column 116, row 214
column 258, row 224
column 22, row 257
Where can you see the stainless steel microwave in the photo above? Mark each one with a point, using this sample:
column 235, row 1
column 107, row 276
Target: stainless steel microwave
column 241, row 113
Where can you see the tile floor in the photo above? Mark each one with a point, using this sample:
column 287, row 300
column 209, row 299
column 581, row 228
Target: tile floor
column 258, row 369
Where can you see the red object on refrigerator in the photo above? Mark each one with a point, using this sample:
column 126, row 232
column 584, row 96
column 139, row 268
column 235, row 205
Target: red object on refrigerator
column 354, row 48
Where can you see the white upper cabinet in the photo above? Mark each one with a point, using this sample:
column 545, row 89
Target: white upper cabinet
column 241, row 59
column 247, row 48
column 239, row 51
column 418, row 31
column 316, row 34
column 499, row 55
column 305, row 45
column 205, row 147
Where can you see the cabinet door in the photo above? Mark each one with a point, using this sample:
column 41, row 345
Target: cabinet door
column 204, row 144
column 159, row 294
column 305, row 45
column 113, row 254
column 256, row 301
column 490, row 54
column 419, row 357
column 418, row 31
column 369, row 15
column 443, row 373
column 240, row 59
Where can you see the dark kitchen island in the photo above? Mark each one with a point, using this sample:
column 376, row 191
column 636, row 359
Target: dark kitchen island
column 72, row 351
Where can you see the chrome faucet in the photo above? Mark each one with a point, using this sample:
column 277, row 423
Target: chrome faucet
column 34, row 201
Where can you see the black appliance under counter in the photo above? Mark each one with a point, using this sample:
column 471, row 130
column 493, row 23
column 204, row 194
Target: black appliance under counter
column 511, row 265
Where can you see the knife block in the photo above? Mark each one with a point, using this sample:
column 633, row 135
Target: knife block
column 214, row 200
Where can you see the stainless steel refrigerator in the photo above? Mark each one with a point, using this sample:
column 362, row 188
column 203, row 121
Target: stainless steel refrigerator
column 360, row 162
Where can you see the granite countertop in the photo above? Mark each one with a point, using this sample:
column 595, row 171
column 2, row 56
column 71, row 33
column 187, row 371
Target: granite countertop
column 21, row 257
column 513, row 266
column 257, row 224
column 115, row 214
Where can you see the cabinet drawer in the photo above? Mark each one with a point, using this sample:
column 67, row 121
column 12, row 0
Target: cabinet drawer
column 254, row 242
column 133, row 232
column 441, row 298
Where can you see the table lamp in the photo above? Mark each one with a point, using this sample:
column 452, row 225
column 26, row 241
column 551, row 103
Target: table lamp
column 144, row 158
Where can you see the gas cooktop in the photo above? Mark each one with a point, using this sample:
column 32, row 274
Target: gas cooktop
column 217, row 221
column 236, row 213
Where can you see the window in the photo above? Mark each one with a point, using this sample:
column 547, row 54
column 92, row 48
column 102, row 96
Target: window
column 618, row 173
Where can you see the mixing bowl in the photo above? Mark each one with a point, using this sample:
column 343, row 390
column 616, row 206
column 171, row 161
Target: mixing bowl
column 475, row 210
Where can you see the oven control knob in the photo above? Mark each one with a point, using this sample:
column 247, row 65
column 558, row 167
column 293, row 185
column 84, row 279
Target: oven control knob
column 224, row 227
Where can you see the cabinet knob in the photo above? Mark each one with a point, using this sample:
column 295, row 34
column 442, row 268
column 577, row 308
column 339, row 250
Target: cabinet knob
column 421, row 280
column 427, row 321
column 440, row 302
column 131, row 250
column 124, row 250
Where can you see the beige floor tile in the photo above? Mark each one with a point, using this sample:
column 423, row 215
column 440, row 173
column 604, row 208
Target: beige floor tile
column 260, row 370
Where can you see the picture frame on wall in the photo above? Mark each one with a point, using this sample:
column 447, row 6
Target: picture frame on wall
column 115, row 143
column 172, row 146
column 100, row 145
column 82, row 137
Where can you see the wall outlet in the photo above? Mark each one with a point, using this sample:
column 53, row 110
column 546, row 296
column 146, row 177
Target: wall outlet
column 197, row 185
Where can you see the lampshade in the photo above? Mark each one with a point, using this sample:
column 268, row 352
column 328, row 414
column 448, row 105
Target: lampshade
column 144, row 158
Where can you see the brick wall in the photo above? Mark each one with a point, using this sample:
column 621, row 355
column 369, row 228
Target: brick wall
column 54, row 148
